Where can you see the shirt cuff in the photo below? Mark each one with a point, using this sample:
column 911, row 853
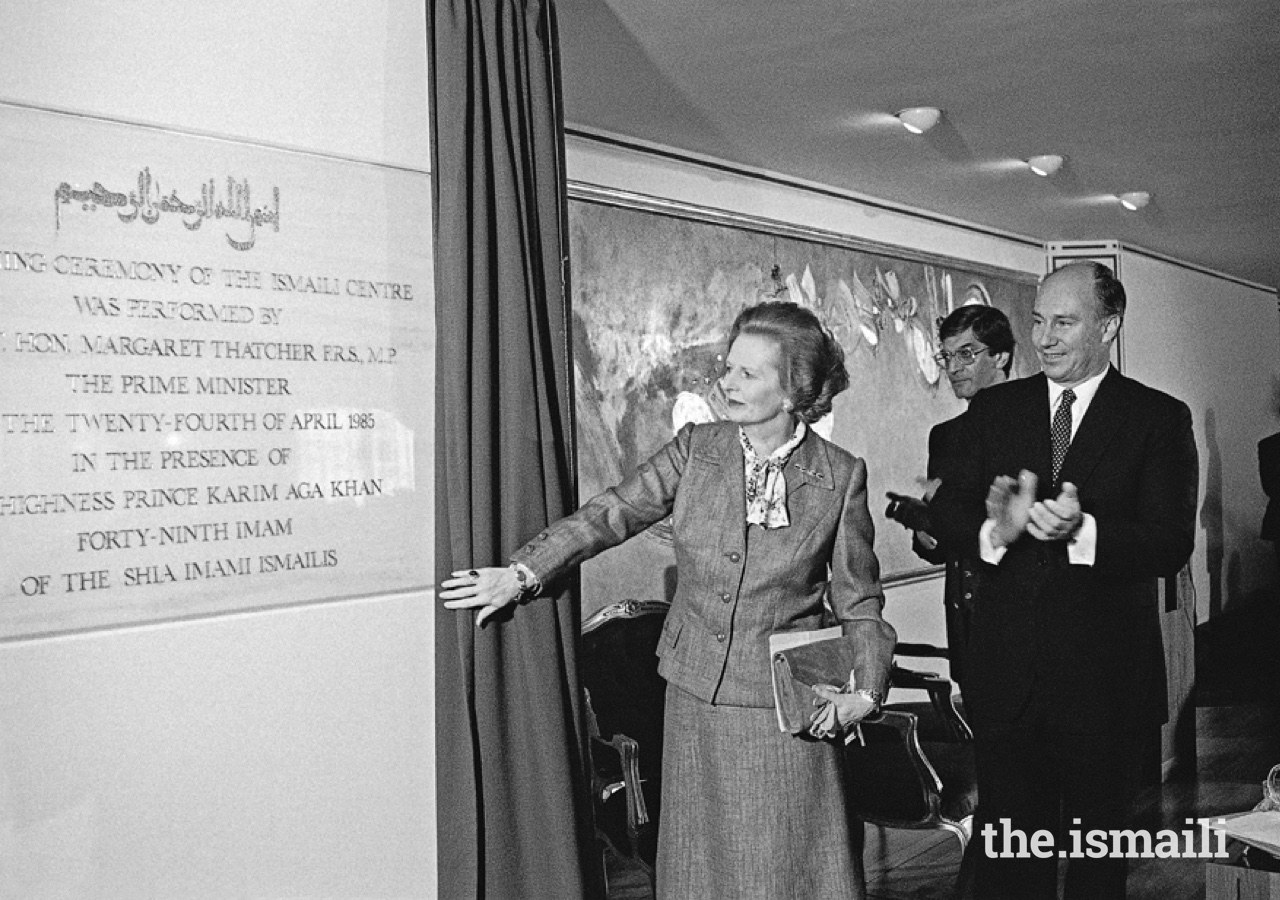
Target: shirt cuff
column 1082, row 550
column 988, row 551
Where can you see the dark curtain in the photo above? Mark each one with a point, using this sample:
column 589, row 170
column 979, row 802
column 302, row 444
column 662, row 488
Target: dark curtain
column 514, row 814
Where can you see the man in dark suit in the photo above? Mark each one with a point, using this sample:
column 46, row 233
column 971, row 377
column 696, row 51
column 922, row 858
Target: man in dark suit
column 1269, row 472
column 977, row 352
column 1078, row 488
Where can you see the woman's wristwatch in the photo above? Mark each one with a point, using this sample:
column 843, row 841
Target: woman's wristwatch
column 876, row 698
column 528, row 581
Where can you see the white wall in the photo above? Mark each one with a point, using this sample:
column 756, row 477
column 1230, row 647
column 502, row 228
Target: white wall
column 324, row 75
column 1216, row 345
column 597, row 163
column 280, row 754
column 276, row 754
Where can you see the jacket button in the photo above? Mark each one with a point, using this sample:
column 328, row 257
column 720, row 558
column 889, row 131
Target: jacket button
column 720, row 636
column 543, row 536
column 726, row 597
column 968, row 595
column 734, row 555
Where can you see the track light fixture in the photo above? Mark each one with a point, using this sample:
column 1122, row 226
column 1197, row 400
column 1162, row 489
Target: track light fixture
column 1045, row 164
column 1135, row 200
column 919, row 119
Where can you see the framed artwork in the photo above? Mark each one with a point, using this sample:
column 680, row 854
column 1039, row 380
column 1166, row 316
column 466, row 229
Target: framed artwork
column 657, row 284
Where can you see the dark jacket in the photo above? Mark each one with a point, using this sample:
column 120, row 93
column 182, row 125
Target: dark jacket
column 1084, row 641
column 737, row 585
column 963, row 575
column 1269, row 471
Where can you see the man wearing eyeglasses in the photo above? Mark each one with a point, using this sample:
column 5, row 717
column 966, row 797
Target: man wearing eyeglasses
column 977, row 352
column 1077, row 487
column 977, row 349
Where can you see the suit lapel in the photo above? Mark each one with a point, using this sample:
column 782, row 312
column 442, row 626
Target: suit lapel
column 1101, row 424
column 810, row 484
column 1040, row 448
column 810, row 464
column 730, row 457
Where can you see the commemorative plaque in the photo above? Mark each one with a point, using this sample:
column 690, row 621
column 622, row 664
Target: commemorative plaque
column 215, row 375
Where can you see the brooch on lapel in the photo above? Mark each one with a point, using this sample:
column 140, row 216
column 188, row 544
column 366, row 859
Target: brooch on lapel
column 810, row 472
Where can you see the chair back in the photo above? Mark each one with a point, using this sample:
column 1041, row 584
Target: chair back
column 619, row 668
column 915, row 766
column 618, row 665
column 889, row 780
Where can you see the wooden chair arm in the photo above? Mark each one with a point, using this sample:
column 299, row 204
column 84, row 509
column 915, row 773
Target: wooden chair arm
column 955, row 728
column 928, row 651
column 628, row 755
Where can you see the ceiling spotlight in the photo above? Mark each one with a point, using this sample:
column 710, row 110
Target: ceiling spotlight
column 919, row 119
column 1135, row 200
column 1046, row 164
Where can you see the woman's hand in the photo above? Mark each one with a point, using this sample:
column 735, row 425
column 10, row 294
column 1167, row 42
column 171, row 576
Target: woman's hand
column 839, row 710
column 489, row 590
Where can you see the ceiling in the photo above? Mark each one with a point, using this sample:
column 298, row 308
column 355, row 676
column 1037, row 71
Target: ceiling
column 1177, row 97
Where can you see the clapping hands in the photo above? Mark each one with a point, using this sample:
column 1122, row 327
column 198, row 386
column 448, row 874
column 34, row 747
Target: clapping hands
column 1011, row 504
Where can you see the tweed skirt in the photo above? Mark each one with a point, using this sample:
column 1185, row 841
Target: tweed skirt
column 749, row 812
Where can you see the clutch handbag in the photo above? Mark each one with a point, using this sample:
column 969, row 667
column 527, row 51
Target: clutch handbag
column 801, row 659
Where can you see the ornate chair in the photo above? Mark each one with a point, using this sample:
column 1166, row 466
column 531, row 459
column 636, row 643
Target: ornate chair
column 915, row 767
column 625, row 698
column 947, row 722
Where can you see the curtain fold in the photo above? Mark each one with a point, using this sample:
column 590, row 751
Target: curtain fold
column 514, row 808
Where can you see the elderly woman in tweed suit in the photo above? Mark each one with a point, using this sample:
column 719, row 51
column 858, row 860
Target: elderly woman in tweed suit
column 768, row 519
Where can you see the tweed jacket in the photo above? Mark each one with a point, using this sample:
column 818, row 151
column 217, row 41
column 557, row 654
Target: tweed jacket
column 737, row 584
column 1083, row 641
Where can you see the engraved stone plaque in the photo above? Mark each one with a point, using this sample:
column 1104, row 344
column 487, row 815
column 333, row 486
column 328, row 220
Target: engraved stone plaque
column 215, row 376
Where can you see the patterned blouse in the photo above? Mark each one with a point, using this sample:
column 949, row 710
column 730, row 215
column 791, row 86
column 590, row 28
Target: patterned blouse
column 766, row 481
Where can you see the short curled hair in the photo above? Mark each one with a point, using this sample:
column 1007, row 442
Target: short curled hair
column 812, row 367
column 990, row 326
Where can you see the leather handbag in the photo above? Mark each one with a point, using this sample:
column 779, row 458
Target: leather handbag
column 801, row 659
